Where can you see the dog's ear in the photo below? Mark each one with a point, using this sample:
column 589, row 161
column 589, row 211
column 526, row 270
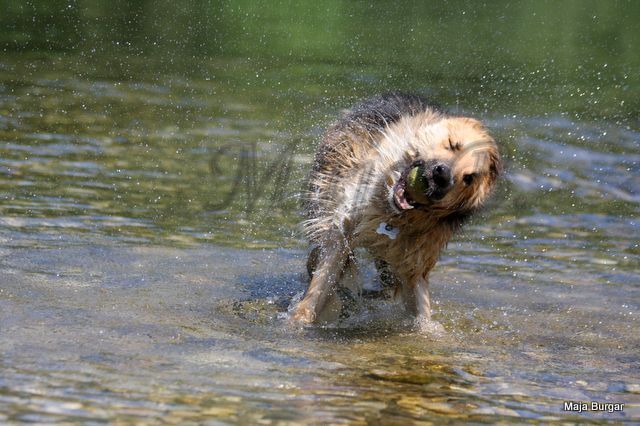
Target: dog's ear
column 495, row 164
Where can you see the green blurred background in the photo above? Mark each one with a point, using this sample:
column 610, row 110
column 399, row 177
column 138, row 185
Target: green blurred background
column 535, row 56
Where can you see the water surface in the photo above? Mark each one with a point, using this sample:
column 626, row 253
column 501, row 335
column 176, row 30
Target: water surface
column 151, row 166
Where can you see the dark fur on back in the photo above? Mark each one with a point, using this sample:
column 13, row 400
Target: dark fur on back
column 379, row 112
column 373, row 115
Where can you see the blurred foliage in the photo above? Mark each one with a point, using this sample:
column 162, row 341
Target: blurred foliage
column 572, row 56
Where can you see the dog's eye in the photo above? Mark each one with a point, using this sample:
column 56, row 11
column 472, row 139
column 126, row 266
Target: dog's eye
column 468, row 179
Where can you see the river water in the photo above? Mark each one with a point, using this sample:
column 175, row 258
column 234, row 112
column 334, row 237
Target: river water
column 151, row 166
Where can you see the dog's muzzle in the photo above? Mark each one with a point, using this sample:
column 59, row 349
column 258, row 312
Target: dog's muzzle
column 421, row 184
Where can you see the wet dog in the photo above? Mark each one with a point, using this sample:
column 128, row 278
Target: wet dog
column 397, row 176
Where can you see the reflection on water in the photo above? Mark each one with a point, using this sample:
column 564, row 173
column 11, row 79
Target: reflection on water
column 149, row 332
column 150, row 183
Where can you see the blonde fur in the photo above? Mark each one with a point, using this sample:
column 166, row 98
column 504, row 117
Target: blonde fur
column 359, row 162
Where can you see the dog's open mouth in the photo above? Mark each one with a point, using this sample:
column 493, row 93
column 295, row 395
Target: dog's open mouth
column 421, row 184
column 410, row 190
column 401, row 198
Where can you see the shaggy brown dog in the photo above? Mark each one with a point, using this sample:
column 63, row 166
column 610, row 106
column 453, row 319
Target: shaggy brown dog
column 396, row 176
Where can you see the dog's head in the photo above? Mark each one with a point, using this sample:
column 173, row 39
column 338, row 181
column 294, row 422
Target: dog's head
column 449, row 167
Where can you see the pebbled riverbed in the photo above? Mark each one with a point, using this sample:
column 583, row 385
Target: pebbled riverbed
column 149, row 244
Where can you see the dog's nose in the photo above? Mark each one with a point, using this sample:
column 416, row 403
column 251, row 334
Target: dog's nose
column 441, row 174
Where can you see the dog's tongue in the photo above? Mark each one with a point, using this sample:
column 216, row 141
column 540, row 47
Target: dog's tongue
column 401, row 201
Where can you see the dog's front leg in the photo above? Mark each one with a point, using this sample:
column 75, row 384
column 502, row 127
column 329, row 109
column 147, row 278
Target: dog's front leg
column 423, row 301
column 330, row 266
column 415, row 295
column 423, row 308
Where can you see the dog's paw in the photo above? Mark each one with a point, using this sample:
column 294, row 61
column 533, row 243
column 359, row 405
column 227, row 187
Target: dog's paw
column 302, row 315
column 430, row 327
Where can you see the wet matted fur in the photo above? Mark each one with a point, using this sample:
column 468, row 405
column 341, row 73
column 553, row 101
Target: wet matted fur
column 359, row 197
